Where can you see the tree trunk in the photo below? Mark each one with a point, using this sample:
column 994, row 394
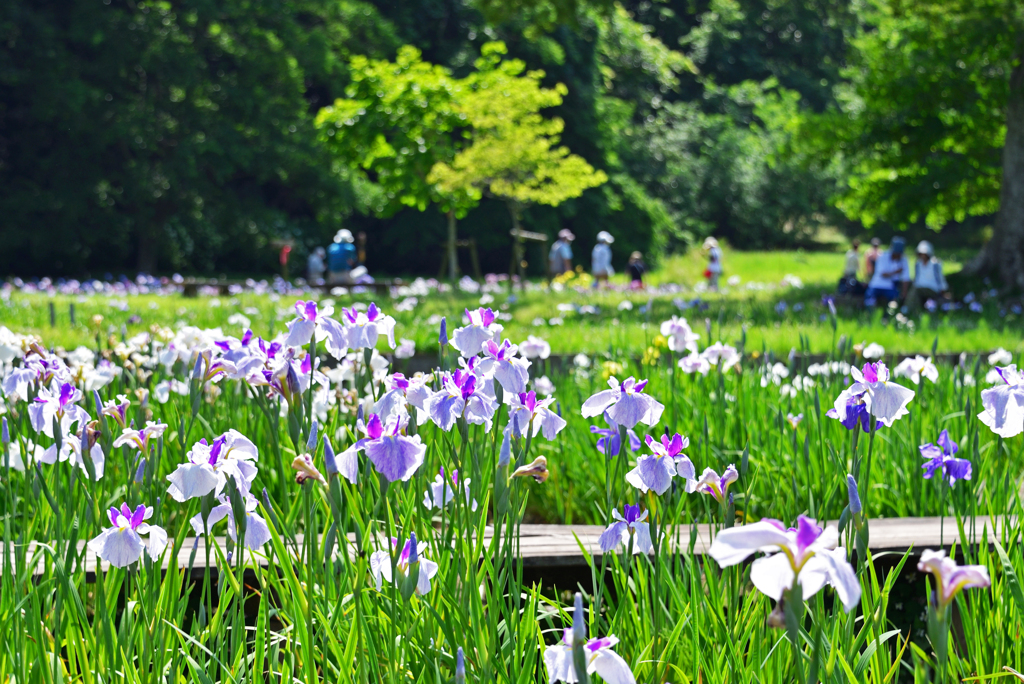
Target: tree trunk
column 1004, row 253
column 517, row 246
column 453, row 252
column 146, row 255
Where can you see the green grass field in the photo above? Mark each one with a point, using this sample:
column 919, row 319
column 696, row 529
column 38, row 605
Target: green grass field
column 622, row 321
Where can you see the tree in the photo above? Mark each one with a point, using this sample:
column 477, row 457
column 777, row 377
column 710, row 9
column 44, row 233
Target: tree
column 512, row 154
column 400, row 119
column 178, row 133
column 933, row 129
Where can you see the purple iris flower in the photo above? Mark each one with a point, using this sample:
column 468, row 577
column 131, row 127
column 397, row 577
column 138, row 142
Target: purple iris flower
column 209, row 466
column 654, row 471
column 122, row 543
column 60, row 403
column 509, row 370
column 257, row 532
column 856, row 414
column 524, row 410
column 1004, row 403
column 610, row 442
column 941, row 457
column 807, row 554
column 470, row 339
column 618, row 533
column 396, row 456
column 312, row 321
column 117, row 409
column 884, row 400
column 460, row 396
column 713, row 484
column 363, row 329
column 626, row 403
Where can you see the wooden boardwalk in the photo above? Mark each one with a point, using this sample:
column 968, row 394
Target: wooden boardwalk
column 559, row 546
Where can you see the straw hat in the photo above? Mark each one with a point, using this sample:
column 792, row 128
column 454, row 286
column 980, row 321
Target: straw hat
column 710, row 242
column 925, row 247
column 566, row 234
column 343, row 235
column 605, row 237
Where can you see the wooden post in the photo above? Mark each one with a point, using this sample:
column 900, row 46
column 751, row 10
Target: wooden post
column 453, row 254
column 53, row 315
column 71, row 312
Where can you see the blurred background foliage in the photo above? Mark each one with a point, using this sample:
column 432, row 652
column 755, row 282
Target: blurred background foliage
column 182, row 135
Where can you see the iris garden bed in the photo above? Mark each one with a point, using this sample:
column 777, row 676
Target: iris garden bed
column 212, row 432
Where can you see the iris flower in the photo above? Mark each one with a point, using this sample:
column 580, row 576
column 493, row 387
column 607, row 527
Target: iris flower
column 140, row 439
column 460, row 396
column 412, row 553
column 501, row 363
column 951, row 579
column 524, row 410
column 713, row 484
column 469, row 340
column 60, row 403
column 916, row 368
column 257, row 533
column 210, row 465
column 807, row 554
column 117, row 409
column 941, row 456
column 1004, row 403
column 600, row 657
column 619, row 532
column 440, row 492
column 363, row 329
column 396, row 456
column 122, row 543
column 722, row 355
column 401, row 393
column 626, row 404
column 884, row 400
column 610, row 441
column 312, row 321
column 654, row 471
column 694, row 363
column 535, row 348
column 681, row 337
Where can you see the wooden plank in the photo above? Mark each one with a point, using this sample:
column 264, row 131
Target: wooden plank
column 555, row 546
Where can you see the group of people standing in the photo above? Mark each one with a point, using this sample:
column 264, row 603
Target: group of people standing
column 887, row 274
column 560, row 260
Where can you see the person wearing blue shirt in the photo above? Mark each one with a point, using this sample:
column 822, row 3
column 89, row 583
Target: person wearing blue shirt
column 560, row 256
column 891, row 277
column 341, row 258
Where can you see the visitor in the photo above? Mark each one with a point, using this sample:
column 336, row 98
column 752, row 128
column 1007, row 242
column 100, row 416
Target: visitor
column 636, row 269
column 848, row 283
column 714, row 269
column 315, row 266
column 601, row 259
column 871, row 257
column 560, row 256
column 929, row 282
column 892, row 275
column 341, row 258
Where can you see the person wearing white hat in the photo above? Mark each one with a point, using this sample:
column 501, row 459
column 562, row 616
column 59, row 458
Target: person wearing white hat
column 341, row 258
column 601, row 259
column 929, row 282
column 560, row 256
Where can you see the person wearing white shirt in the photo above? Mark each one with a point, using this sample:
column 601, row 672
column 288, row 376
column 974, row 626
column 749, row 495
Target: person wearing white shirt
column 601, row 259
column 848, row 284
column 891, row 278
column 929, row 282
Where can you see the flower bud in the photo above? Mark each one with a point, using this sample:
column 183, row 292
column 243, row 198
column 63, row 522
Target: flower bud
column 330, row 465
column 460, row 667
column 311, row 442
column 854, row 495
column 505, row 455
column 140, row 472
column 5, row 432
column 579, row 621
column 442, row 338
